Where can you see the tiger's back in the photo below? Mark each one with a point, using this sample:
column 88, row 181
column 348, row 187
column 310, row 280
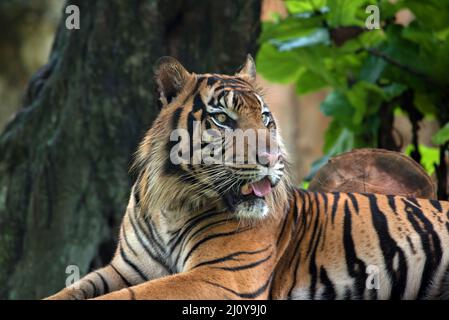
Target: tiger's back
column 364, row 246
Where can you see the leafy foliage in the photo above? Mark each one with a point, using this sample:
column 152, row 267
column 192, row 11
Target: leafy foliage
column 430, row 156
column 326, row 44
column 442, row 136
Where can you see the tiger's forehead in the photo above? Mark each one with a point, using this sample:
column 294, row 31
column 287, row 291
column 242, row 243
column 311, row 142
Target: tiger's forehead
column 229, row 93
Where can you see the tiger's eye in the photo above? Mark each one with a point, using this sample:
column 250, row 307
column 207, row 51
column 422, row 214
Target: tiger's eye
column 266, row 119
column 221, row 117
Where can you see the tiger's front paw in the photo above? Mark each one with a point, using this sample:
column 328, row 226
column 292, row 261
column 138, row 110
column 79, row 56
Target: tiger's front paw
column 68, row 294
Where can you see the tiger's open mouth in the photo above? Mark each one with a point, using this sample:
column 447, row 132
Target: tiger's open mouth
column 259, row 188
column 250, row 200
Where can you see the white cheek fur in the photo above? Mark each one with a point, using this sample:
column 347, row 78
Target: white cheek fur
column 254, row 210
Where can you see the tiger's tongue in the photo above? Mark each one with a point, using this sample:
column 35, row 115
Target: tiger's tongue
column 260, row 188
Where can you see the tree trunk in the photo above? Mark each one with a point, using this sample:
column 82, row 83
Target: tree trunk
column 64, row 158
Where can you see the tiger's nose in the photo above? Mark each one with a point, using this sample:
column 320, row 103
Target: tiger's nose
column 269, row 159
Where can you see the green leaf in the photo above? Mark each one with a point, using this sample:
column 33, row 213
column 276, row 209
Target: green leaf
column 442, row 136
column 290, row 27
column 388, row 8
column 345, row 13
column 432, row 14
column 337, row 139
column 305, row 185
column 301, row 6
column 337, row 105
column 319, row 59
column 429, row 157
column 283, row 67
column 393, row 90
column 372, row 69
column 331, row 135
column 424, row 103
column 309, row 81
column 345, row 142
column 413, row 64
column 362, row 95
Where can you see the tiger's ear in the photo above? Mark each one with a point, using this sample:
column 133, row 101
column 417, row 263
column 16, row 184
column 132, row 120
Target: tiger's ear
column 248, row 70
column 170, row 77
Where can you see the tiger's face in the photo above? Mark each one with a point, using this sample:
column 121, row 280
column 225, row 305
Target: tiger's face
column 215, row 143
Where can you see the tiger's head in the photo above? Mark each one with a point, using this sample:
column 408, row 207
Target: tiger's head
column 215, row 143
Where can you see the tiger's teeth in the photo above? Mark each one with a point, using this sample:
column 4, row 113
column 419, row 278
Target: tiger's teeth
column 246, row 189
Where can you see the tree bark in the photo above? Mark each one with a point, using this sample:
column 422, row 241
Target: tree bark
column 64, row 158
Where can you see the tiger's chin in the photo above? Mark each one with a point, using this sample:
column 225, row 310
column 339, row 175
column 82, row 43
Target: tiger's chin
column 252, row 209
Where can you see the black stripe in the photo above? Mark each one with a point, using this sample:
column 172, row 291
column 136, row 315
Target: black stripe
column 356, row 267
column 294, row 204
column 392, row 203
column 410, row 243
column 132, row 264
column 210, row 237
column 430, row 242
column 131, row 293
column 309, row 210
column 144, row 246
column 314, row 237
column 247, row 295
column 207, row 226
column 246, row 266
column 313, row 267
column 212, row 80
column 198, row 103
column 325, row 201
column 105, row 283
column 150, row 236
column 199, row 81
column 190, row 129
column 313, row 246
column 329, row 290
column 230, row 257
column 136, row 195
column 193, row 220
column 126, row 239
column 335, row 205
column 96, row 293
column 390, row 249
column 300, row 233
column 304, row 213
column 169, row 167
column 284, row 223
column 188, row 226
column 355, row 204
column 295, row 271
column 296, row 257
column 436, row 204
column 149, row 223
column 86, row 295
column 121, row 276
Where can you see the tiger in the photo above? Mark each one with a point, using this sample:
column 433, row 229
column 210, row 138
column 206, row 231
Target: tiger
column 227, row 230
